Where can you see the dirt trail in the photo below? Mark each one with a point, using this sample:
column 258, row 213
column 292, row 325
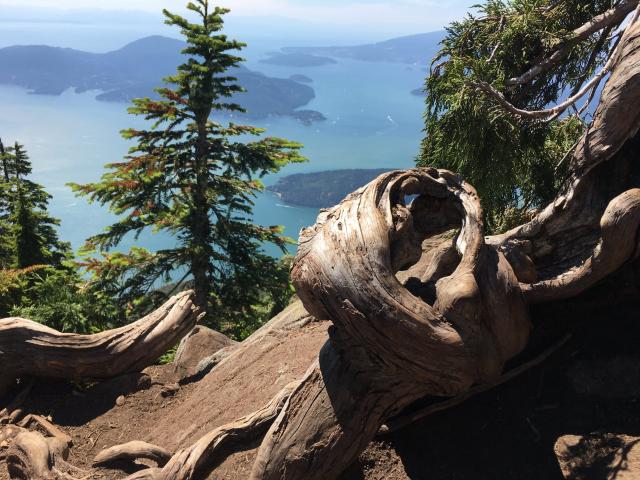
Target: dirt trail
column 506, row 433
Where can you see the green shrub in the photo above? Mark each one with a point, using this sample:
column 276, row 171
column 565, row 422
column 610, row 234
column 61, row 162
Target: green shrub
column 60, row 299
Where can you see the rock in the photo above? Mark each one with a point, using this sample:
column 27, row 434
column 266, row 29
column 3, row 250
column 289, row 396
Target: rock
column 120, row 400
column 206, row 364
column 599, row 456
column 200, row 343
column 169, row 390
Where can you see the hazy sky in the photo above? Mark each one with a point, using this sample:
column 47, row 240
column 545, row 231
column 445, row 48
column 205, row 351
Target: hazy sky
column 410, row 15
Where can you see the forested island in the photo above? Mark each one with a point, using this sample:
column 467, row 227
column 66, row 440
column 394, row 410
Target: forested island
column 133, row 72
column 413, row 49
column 301, row 78
column 298, row 60
column 322, row 189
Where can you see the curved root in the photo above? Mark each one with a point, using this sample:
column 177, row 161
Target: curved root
column 132, row 451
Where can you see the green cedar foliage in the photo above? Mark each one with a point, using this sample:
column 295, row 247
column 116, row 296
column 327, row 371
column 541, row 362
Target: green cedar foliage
column 194, row 178
column 515, row 164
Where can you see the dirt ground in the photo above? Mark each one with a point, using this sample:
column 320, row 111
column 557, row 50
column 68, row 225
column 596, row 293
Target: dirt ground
column 590, row 386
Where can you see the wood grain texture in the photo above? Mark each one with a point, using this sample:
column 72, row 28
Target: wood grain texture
column 31, row 349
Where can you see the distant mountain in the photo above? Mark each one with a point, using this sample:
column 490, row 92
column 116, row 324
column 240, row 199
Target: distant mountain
column 134, row 71
column 322, row 189
column 420, row 48
column 298, row 60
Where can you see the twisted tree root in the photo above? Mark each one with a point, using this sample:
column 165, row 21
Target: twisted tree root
column 197, row 461
column 132, row 451
column 29, row 455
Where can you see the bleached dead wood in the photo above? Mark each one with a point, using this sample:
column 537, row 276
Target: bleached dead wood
column 31, row 349
column 132, row 451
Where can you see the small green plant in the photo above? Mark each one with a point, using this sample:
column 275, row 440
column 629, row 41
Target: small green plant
column 169, row 356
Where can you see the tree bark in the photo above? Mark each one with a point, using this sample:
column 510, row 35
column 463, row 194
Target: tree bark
column 31, row 349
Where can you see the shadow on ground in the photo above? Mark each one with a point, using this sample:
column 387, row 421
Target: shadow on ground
column 590, row 387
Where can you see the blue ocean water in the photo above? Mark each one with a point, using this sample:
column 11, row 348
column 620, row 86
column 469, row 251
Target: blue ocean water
column 372, row 121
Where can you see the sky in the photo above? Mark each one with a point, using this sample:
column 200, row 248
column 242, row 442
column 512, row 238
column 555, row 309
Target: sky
column 385, row 16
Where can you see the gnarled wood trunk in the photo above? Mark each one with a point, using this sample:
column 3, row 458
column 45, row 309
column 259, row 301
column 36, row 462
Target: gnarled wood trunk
column 31, row 349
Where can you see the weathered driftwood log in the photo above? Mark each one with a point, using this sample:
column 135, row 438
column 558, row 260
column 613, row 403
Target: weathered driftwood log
column 389, row 346
column 31, row 349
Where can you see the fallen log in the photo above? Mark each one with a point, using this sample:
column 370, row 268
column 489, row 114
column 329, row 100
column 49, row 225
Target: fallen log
column 28, row 348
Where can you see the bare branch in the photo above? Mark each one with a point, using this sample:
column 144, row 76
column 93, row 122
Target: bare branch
column 547, row 114
column 608, row 19
column 132, row 451
column 497, row 46
column 550, row 114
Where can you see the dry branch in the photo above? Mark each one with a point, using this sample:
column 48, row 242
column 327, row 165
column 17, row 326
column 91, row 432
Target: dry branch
column 31, row 349
column 132, row 451
column 549, row 114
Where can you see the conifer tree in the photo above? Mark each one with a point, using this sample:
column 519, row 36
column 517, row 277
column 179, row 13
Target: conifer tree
column 27, row 231
column 4, row 162
column 6, row 231
column 517, row 161
column 194, row 178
